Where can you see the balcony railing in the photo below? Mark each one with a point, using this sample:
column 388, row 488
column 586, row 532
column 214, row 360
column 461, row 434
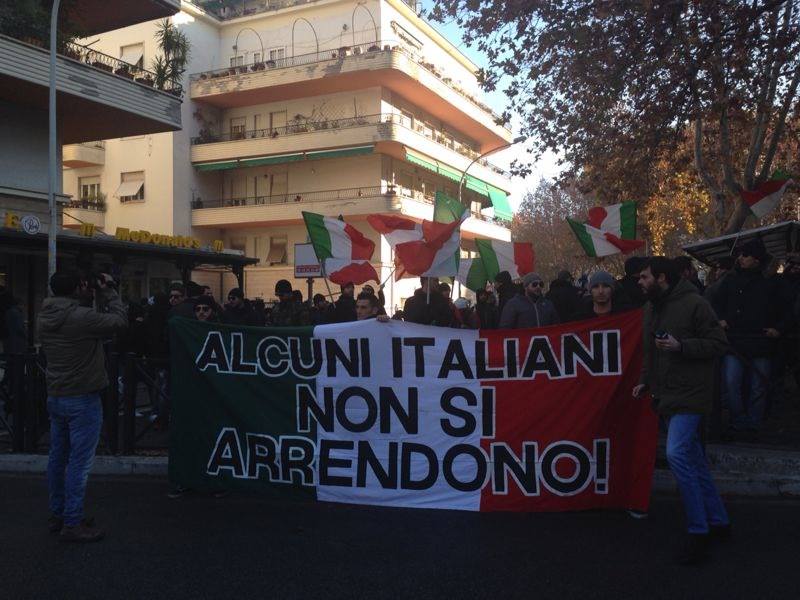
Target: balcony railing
column 118, row 67
column 88, row 204
column 98, row 145
column 313, row 125
column 329, row 196
column 234, row 10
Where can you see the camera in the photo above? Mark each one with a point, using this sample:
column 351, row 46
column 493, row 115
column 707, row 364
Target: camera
column 95, row 279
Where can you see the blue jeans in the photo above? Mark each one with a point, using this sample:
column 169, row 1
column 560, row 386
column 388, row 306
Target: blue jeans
column 75, row 423
column 746, row 405
column 686, row 458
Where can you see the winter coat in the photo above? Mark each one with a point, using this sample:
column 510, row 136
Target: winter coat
column 682, row 382
column 522, row 312
column 72, row 338
column 290, row 314
column 240, row 316
column 345, row 310
column 630, row 293
column 437, row 312
column 565, row 297
column 749, row 303
column 487, row 315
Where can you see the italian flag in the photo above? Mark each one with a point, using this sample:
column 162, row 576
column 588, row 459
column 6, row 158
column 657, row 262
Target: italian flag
column 609, row 230
column 426, row 249
column 343, row 251
column 472, row 274
column 517, row 258
column 766, row 197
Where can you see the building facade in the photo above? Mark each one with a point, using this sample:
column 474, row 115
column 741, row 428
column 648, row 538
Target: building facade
column 330, row 106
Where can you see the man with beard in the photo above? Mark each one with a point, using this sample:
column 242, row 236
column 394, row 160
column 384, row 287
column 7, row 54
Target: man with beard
column 530, row 309
column 682, row 337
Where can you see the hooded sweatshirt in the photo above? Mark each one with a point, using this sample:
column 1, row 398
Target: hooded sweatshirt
column 72, row 338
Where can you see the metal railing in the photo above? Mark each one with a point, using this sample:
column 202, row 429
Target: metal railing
column 243, row 9
column 88, row 204
column 291, row 197
column 109, row 64
column 314, row 125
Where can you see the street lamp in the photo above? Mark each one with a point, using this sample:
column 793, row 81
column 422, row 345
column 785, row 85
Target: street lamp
column 236, row 43
column 516, row 140
column 51, row 152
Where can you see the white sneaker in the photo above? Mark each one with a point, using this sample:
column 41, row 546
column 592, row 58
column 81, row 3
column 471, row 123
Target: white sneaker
column 637, row 514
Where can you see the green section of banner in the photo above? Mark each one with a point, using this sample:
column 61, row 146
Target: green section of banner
column 212, row 413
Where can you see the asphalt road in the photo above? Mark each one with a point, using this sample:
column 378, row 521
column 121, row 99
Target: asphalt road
column 249, row 547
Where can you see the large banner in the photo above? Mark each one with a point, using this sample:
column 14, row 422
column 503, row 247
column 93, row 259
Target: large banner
column 398, row 414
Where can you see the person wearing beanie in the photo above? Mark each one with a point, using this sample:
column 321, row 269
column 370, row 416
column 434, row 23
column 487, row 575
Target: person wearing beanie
column 505, row 289
column 601, row 300
column 236, row 312
column 530, row 309
column 185, row 307
column 749, row 308
column 287, row 312
column 564, row 296
column 628, row 291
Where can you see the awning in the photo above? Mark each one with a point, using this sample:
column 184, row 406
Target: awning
column 128, row 188
column 132, row 54
column 499, row 199
column 277, row 252
column 778, row 239
column 277, row 159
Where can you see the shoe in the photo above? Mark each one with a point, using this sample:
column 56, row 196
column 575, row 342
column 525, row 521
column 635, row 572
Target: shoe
column 694, row 551
column 178, row 492
column 56, row 524
column 720, row 532
column 81, row 534
column 221, row 494
column 638, row 514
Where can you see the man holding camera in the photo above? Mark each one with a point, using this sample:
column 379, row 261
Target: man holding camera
column 682, row 338
column 72, row 337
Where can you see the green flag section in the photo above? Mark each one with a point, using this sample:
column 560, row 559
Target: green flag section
column 406, row 415
column 447, row 209
column 472, row 275
column 518, row 258
column 608, row 230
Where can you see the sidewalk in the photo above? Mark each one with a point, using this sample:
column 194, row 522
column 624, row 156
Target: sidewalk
column 738, row 470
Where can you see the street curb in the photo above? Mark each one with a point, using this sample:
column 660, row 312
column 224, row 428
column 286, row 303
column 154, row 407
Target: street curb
column 728, row 483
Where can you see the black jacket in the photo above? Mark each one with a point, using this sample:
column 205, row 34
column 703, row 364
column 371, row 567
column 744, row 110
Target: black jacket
column 345, row 310
column 629, row 293
column 749, row 303
column 240, row 316
column 585, row 310
column 437, row 312
column 488, row 316
column 565, row 297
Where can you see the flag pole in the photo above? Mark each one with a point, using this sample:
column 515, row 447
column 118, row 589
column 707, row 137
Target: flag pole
column 389, row 276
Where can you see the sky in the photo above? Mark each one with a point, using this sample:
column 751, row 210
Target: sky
column 546, row 166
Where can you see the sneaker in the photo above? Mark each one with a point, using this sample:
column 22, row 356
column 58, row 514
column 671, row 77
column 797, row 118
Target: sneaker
column 694, row 551
column 720, row 532
column 55, row 524
column 81, row 534
column 178, row 492
column 638, row 514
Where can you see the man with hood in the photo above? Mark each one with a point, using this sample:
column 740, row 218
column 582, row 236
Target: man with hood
column 72, row 339
column 505, row 288
column 564, row 296
column 530, row 309
column 629, row 291
column 682, row 338
column 427, row 306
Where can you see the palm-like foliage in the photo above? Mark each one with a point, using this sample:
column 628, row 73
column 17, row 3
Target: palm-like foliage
column 170, row 66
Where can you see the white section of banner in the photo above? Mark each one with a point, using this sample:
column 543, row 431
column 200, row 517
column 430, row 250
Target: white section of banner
column 430, row 388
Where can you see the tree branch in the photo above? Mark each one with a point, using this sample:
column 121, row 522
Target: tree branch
column 780, row 125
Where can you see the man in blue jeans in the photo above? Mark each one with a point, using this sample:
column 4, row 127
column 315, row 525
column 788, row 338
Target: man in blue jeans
column 682, row 338
column 72, row 338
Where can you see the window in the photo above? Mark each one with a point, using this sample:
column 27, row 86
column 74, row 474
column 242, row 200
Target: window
column 277, row 250
column 256, row 57
column 133, row 55
column 237, row 61
column 406, row 119
column 89, row 187
column 238, row 243
column 277, row 122
column 277, row 54
column 238, row 127
column 131, row 187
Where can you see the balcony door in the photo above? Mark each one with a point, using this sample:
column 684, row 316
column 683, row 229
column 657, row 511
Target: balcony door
column 277, row 122
column 279, row 187
column 238, row 127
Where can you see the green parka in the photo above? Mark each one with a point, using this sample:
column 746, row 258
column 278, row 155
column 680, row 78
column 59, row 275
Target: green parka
column 682, row 382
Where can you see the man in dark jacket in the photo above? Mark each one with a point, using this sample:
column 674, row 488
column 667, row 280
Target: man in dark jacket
column 530, row 309
column 748, row 307
column 601, row 301
column 72, row 338
column 185, row 307
column 722, row 269
column 505, row 288
column 427, row 306
column 486, row 310
column 682, row 337
column 345, row 306
column 630, row 293
column 237, row 312
column 564, row 296
column 287, row 312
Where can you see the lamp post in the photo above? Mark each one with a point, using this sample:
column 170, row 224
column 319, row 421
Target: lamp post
column 236, row 43
column 52, row 230
column 485, row 154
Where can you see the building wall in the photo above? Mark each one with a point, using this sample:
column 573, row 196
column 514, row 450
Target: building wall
column 24, row 148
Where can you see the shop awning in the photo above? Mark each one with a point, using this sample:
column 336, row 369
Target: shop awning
column 128, row 188
column 779, row 239
column 277, row 159
column 499, row 199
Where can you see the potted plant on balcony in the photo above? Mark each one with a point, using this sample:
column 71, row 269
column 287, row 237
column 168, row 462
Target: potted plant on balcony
column 373, row 48
column 145, row 79
column 174, row 46
column 259, row 66
column 271, row 64
column 124, row 70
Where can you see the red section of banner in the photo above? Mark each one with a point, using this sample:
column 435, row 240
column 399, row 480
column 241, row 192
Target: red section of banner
column 595, row 444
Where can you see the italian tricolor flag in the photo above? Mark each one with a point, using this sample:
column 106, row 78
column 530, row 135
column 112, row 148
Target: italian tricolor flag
column 426, row 249
column 766, row 197
column 609, row 230
column 343, row 251
column 515, row 257
column 472, row 274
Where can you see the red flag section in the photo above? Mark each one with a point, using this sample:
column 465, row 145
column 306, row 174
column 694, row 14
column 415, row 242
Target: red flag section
column 417, row 257
column 625, row 246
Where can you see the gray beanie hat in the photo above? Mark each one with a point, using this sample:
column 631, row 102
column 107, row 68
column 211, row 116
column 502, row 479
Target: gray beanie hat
column 529, row 278
column 601, row 278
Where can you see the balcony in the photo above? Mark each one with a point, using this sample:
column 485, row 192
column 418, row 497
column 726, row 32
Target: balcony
column 85, row 211
column 226, row 11
column 390, row 133
column 94, row 16
column 99, row 97
column 285, row 209
column 85, row 154
column 353, row 68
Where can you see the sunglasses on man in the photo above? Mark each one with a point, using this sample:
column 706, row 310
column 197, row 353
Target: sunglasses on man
column 536, row 284
column 175, row 296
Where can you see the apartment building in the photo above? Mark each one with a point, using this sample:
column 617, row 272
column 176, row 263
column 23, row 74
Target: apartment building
column 94, row 102
column 330, row 106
